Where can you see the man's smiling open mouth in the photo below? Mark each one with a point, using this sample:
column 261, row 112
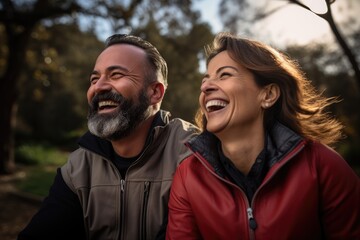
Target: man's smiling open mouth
column 107, row 105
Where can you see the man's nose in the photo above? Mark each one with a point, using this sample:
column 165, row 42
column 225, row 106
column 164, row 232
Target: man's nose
column 102, row 84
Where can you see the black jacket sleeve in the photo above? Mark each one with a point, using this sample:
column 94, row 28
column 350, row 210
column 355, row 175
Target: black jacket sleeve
column 59, row 217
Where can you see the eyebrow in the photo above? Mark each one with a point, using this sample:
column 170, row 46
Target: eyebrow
column 111, row 68
column 219, row 69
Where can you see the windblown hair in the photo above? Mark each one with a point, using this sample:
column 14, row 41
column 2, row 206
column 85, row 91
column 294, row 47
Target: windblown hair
column 300, row 107
column 156, row 61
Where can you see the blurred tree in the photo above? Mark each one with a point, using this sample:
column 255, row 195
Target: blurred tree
column 183, row 54
column 328, row 17
column 18, row 19
column 52, row 100
column 180, row 38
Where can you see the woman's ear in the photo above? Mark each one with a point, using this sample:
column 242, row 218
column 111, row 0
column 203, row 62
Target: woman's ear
column 156, row 92
column 271, row 95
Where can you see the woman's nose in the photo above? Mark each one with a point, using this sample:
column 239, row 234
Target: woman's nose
column 208, row 86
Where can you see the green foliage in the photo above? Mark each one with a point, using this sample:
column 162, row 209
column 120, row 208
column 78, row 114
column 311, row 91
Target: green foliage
column 37, row 181
column 184, row 76
column 39, row 164
column 41, row 155
column 54, row 83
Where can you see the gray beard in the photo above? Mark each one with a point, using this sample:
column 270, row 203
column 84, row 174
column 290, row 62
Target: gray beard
column 106, row 127
column 123, row 121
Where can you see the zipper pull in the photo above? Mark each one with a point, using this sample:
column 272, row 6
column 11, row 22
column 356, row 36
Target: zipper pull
column 122, row 185
column 146, row 188
column 252, row 222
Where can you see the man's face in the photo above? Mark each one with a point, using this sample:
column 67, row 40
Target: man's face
column 117, row 96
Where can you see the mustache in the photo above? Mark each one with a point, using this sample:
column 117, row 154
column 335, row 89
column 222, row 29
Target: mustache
column 113, row 96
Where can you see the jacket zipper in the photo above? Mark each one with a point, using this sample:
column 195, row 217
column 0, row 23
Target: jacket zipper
column 250, row 206
column 122, row 205
column 122, row 187
column 144, row 210
column 122, row 194
column 252, row 221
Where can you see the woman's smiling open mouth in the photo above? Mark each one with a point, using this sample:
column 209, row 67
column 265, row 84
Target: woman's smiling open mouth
column 215, row 105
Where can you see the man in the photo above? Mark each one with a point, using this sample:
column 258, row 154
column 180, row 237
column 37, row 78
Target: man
column 116, row 184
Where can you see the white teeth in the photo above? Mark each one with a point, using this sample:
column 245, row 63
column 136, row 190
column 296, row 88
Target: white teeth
column 215, row 103
column 107, row 103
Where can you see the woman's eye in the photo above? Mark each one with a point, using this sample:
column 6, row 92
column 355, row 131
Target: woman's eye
column 224, row 75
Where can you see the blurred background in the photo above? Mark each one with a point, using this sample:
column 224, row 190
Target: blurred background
column 48, row 48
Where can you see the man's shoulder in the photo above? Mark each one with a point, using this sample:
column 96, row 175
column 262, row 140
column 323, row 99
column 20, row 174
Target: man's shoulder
column 82, row 164
column 172, row 139
column 82, row 156
column 180, row 131
column 178, row 124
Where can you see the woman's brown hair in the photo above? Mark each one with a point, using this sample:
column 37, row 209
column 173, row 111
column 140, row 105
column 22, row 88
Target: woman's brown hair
column 300, row 107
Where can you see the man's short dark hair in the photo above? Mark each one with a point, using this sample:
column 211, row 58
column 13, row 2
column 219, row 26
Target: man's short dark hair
column 157, row 62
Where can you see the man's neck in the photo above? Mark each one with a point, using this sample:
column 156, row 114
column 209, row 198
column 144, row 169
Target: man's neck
column 133, row 144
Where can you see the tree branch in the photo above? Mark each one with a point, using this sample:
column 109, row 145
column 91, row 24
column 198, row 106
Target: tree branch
column 328, row 17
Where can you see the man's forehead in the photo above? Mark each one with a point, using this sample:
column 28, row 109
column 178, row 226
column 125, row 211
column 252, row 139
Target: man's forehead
column 124, row 54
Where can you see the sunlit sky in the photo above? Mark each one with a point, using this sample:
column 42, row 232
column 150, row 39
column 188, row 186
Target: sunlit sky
column 291, row 24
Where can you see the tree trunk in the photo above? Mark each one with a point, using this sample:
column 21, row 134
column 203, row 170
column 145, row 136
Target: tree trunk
column 16, row 41
column 7, row 95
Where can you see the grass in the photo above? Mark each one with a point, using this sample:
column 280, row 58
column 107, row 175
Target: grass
column 37, row 181
column 37, row 154
column 39, row 163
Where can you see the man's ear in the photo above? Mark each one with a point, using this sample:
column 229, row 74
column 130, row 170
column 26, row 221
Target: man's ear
column 271, row 95
column 156, row 92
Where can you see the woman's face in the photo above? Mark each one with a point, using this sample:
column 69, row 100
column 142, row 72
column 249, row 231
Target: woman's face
column 230, row 98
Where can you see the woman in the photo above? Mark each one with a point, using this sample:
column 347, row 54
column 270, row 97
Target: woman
column 262, row 167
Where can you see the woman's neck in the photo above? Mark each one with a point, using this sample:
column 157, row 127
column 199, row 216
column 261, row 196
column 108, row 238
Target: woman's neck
column 243, row 149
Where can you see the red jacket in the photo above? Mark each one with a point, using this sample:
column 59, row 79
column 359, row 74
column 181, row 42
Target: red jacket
column 310, row 192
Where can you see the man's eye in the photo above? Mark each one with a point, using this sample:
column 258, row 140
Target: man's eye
column 93, row 79
column 116, row 75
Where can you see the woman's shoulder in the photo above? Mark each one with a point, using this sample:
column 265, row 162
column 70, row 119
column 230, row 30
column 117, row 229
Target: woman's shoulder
column 328, row 161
